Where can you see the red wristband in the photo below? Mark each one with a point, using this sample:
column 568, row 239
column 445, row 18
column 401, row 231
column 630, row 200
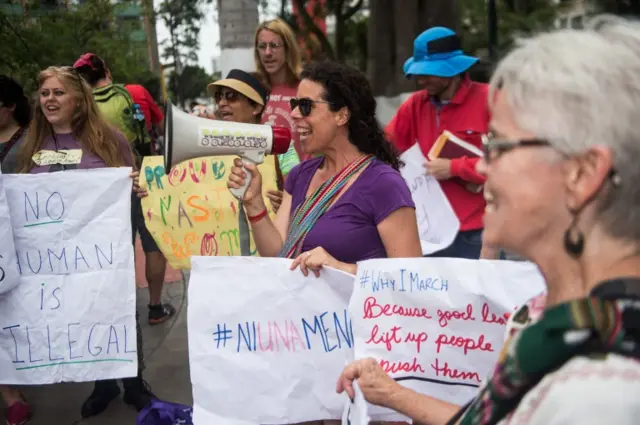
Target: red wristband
column 257, row 217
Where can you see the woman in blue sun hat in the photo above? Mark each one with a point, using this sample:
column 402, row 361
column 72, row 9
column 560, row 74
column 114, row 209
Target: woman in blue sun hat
column 454, row 107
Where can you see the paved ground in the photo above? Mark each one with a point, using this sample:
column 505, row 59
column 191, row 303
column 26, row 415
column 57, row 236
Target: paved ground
column 167, row 372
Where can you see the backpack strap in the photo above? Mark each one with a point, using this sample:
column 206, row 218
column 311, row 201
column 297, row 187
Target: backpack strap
column 141, row 125
column 10, row 143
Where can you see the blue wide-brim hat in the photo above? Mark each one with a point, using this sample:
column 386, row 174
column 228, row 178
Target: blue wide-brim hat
column 438, row 52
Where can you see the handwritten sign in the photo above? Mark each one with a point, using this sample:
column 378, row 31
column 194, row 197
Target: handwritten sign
column 72, row 317
column 437, row 324
column 9, row 276
column 191, row 211
column 438, row 224
column 272, row 338
column 64, row 157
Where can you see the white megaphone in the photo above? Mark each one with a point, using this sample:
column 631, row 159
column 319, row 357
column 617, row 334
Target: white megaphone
column 187, row 136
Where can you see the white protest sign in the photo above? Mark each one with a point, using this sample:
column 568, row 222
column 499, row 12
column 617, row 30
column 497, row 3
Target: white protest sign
column 72, row 317
column 266, row 344
column 437, row 324
column 438, row 224
column 9, row 276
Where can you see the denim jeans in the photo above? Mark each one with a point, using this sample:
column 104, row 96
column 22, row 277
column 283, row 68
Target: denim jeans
column 466, row 245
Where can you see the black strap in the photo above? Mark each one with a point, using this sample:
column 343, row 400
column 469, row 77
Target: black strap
column 455, row 418
column 243, row 228
column 11, row 143
column 447, row 44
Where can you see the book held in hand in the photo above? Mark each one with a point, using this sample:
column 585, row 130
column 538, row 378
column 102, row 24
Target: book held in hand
column 450, row 146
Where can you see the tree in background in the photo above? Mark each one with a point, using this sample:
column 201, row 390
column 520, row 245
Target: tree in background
column 355, row 41
column 182, row 19
column 345, row 12
column 191, row 83
column 41, row 36
column 619, row 7
column 391, row 31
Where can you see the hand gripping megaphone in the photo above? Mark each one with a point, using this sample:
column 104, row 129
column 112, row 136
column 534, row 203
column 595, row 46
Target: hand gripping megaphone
column 187, row 136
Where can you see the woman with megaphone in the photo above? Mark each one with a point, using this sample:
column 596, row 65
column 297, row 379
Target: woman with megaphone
column 346, row 205
column 241, row 97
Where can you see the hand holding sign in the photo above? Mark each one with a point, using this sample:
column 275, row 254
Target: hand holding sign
column 318, row 258
column 373, row 382
column 439, row 169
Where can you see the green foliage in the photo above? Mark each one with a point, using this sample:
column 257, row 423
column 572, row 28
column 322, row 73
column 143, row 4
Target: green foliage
column 355, row 41
column 191, row 83
column 515, row 18
column 55, row 36
column 619, row 7
column 182, row 19
column 350, row 27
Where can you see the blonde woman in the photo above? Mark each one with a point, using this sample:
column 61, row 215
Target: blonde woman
column 67, row 118
column 278, row 66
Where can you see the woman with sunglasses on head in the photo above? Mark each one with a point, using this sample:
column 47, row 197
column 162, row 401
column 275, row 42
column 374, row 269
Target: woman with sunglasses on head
column 67, row 119
column 562, row 190
column 362, row 206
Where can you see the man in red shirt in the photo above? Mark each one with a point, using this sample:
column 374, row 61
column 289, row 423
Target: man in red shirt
column 450, row 101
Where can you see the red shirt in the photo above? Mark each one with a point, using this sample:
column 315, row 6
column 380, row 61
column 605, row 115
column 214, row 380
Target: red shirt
column 140, row 95
column 466, row 115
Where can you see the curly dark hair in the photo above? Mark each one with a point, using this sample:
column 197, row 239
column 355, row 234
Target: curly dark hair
column 347, row 86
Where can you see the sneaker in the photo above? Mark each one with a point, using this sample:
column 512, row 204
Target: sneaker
column 98, row 401
column 160, row 313
column 19, row 413
column 137, row 393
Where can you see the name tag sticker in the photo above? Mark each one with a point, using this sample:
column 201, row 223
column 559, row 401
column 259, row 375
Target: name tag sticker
column 62, row 157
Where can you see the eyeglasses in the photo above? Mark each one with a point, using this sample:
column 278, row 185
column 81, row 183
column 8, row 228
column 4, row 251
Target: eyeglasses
column 230, row 96
column 495, row 147
column 272, row 46
column 304, row 104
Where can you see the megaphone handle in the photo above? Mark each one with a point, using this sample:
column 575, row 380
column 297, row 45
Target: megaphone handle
column 239, row 192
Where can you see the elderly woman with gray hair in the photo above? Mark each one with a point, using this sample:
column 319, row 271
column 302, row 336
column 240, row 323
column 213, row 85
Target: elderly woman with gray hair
column 562, row 190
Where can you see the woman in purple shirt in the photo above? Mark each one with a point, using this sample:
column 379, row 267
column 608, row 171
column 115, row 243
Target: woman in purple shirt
column 351, row 203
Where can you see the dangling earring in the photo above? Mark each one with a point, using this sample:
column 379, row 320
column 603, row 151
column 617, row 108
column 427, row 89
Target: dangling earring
column 574, row 239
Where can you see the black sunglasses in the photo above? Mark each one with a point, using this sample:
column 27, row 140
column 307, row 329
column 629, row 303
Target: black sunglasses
column 230, row 96
column 304, row 104
column 75, row 72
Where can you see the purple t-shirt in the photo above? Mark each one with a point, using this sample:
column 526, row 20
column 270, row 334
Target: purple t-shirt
column 88, row 160
column 348, row 229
